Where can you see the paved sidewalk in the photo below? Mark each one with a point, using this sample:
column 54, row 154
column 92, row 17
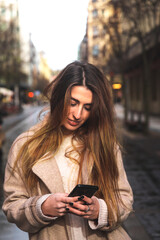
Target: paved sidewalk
column 142, row 164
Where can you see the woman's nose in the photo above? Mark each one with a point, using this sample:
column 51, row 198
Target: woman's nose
column 77, row 113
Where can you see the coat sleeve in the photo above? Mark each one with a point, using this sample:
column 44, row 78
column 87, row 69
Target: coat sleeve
column 125, row 192
column 18, row 206
column 125, row 189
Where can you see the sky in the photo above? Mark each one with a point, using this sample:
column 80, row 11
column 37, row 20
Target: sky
column 57, row 27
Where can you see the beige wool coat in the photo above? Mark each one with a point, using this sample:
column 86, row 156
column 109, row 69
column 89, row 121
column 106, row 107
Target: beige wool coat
column 20, row 205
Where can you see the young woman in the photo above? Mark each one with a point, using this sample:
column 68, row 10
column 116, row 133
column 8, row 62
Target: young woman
column 75, row 143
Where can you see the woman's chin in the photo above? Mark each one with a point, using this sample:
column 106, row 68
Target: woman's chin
column 68, row 130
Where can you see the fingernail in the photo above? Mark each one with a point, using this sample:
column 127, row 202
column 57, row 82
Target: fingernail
column 71, row 203
column 80, row 198
column 67, row 209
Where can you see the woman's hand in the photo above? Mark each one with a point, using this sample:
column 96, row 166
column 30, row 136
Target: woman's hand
column 56, row 205
column 85, row 207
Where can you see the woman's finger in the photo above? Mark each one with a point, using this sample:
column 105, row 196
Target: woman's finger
column 89, row 211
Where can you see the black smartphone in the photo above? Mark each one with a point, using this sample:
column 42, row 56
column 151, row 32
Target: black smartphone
column 83, row 189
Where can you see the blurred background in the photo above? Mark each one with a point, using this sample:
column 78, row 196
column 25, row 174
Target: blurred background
column 121, row 37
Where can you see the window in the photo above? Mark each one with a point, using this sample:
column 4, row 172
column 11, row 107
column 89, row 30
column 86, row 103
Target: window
column 154, row 87
column 95, row 50
column 103, row 11
column 132, row 88
column 104, row 30
column 3, row 10
column 104, row 50
column 138, row 88
column 95, row 31
column 95, row 13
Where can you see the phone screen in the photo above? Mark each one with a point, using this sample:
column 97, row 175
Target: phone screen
column 83, row 189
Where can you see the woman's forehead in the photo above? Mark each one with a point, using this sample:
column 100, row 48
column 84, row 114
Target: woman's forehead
column 82, row 94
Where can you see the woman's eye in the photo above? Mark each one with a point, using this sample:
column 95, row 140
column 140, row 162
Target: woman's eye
column 88, row 108
column 73, row 104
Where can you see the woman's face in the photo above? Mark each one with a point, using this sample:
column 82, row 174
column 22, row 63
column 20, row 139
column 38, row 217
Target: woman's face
column 79, row 108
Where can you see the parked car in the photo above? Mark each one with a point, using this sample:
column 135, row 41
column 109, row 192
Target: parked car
column 9, row 108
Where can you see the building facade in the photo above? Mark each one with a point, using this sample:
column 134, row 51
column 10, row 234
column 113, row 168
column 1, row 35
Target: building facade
column 98, row 38
column 123, row 39
column 142, row 70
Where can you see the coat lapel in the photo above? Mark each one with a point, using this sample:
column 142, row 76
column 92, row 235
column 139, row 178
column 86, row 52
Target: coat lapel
column 47, row 170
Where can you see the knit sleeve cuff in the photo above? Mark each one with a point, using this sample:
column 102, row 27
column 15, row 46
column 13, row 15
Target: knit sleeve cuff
column 102, row 218
column 39, row 209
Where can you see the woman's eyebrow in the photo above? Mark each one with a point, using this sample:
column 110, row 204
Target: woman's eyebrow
column 76, row 100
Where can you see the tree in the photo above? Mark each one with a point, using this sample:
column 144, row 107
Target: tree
column 140, row 26
column 118, row 42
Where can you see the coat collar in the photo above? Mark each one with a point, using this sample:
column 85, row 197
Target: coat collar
column 47, row 170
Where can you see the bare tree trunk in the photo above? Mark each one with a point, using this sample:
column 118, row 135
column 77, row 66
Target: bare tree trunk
column 124, row 90
column 16, row 95
column 146, row 95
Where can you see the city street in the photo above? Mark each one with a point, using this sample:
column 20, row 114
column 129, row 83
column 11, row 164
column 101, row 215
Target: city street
column 142, row 164
column 112, row 49
column 13, row 126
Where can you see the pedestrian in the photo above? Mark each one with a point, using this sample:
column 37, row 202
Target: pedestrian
column 75, row 143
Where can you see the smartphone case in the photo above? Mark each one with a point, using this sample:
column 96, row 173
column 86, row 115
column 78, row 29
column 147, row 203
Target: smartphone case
column 83, row 189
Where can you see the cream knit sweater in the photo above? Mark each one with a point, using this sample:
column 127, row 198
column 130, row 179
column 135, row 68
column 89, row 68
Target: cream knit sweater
column 69, row 171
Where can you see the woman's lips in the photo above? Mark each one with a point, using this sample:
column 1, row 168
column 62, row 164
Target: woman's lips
column 73, row 123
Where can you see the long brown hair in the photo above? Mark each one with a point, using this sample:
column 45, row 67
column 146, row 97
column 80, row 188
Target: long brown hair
column 97, row 134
